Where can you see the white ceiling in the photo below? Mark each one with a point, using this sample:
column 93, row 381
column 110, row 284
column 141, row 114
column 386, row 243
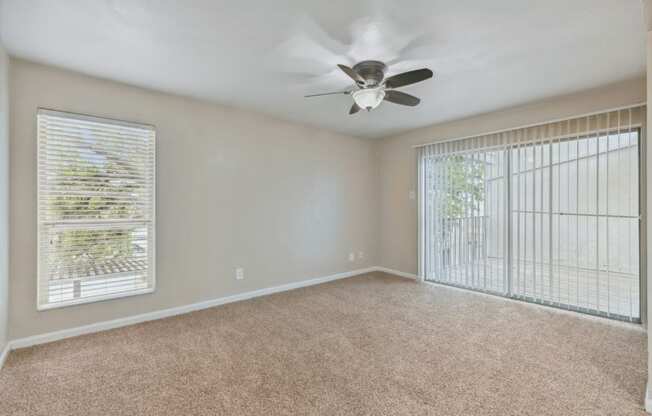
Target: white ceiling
column 265, row 55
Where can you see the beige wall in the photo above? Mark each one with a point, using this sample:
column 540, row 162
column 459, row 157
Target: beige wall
column 4, row 196
column 397, row 159
column 284, row 201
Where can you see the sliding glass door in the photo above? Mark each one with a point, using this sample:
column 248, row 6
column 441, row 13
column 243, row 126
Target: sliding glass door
column 465, row 206
column 553, row 219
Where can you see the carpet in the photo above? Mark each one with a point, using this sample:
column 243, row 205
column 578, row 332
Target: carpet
column 374, row 344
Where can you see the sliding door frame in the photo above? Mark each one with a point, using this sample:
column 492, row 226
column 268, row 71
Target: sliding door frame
column 642, row 223
column 508, row 260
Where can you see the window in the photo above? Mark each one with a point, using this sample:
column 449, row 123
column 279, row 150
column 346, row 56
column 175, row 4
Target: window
column 96, row 213
column 548, row 214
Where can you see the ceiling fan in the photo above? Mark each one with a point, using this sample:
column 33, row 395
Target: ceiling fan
column 371, row 86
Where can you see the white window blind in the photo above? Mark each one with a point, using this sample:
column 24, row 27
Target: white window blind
column 96, row 213
column 548, row 214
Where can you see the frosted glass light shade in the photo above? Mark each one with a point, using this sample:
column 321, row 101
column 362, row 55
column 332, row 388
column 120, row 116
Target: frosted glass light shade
column 368, row 98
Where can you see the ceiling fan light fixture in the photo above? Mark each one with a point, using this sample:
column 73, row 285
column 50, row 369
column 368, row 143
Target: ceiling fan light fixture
column 368, row 98
column 371, row 87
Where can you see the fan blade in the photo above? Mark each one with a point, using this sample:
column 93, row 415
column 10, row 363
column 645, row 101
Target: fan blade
column 398, row 97
column 352, row 74
column 327, row 93
column 354, row 109
column 407, row 78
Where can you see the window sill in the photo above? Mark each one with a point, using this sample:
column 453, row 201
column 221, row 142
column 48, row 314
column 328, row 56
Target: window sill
column 94, row 299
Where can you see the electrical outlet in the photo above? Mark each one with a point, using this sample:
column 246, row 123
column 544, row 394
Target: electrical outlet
column 412, row 195
column 239, row 273
column 351, row 256
column 360, row 255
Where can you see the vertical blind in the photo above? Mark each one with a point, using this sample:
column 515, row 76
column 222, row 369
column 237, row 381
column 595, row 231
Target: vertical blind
column 548, row 214
column 96, row 193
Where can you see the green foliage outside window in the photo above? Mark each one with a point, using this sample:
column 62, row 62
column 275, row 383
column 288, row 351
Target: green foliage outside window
column 464, row 193
column 86, row 193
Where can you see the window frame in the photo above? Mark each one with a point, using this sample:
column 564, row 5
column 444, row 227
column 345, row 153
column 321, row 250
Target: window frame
column 152, row 262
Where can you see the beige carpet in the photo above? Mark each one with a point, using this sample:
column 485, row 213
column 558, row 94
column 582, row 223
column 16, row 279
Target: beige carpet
column 369, row 345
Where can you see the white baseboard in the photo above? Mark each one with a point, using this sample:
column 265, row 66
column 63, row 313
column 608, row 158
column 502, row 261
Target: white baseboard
column 165, row 313
column 397, row 273
column 4, row 353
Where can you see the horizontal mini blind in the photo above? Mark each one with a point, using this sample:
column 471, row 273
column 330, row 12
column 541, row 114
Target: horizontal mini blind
column 96, row 213
column 548, row 213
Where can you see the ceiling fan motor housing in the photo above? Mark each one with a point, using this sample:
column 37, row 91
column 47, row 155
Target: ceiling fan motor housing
column 372, row 71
